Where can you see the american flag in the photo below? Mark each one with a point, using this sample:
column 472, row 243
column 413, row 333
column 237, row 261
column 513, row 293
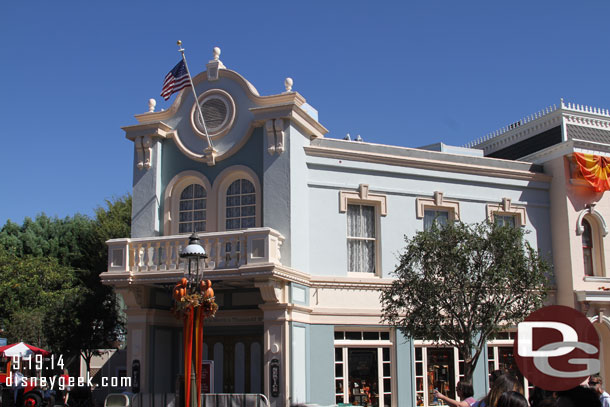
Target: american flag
column 175, row 80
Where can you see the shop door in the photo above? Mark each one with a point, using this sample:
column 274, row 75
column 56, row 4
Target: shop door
column 238, row 366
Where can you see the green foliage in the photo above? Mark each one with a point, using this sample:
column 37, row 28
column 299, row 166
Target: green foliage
column 49, row 280
column 461, row 283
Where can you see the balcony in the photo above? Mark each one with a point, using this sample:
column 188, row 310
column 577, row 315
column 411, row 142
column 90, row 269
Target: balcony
column 161, row 255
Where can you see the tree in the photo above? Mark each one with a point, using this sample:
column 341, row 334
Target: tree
column 31, row 288
column 75, row 248
column 459, row 284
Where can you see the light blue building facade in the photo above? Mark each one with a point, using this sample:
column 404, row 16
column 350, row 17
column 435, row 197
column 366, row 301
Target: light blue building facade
column 303, row 231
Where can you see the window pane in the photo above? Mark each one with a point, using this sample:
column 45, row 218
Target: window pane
column 199, row 191
column 232, row 212
column 338, row 351
column 232, row 224
column 439, row 216
column 386, row 370
column 353, row 336
column 247, row 211
column 504, row 220
column 246, row 187
column 353, row 255
column 353, row 220
column 386, row 354
column 371, row 336
column 233, row 201
column 339, row 370
column 368, row 222
column 233, row 188
column 199, row 226
column 369, row 256
column 186, row 205
column 385, row 336
column 186, row 216
column 247, row 223
column 187, row 193
column 199, row 204
column 248, row 199
column 199, row 215
column 339, row 335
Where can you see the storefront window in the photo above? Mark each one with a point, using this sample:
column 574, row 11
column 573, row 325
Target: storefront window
column 501, row 357
column 435, row 368
column 363, row 368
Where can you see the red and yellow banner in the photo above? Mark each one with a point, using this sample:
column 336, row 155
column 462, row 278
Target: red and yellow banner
column 595, row 169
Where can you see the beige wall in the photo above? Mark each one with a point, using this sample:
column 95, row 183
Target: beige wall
column 569, row 199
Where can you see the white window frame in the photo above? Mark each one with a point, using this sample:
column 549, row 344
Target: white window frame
column 495, row 344
column 507, row 208
column 457, row 375
column 222, row 183
column 171, row 201
column 380, row 344
column 363, row 197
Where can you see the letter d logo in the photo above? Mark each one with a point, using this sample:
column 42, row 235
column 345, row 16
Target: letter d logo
column 525, row 335
column 556, row 348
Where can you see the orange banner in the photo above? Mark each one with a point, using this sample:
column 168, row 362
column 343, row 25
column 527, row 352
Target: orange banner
column 595, row 169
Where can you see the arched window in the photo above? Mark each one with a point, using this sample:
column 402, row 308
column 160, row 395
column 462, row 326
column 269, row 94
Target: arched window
column 587, row 247
column 192, row 209
column 240, row 205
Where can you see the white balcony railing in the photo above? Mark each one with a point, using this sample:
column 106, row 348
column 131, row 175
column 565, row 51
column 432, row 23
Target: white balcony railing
column 225, row 250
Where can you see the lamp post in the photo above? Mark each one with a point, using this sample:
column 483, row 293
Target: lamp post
column 194, row 301
column 193, row 253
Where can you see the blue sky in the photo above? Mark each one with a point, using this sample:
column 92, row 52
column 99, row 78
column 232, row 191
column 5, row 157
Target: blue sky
column 403, row 73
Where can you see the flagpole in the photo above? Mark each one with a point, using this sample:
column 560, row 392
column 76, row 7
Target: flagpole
column 205, row 130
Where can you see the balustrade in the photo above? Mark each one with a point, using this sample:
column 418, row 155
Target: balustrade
column 225, row 250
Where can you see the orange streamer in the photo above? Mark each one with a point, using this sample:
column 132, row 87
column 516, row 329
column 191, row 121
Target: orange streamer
column 199, row 350
column 188, row 355
column 595, row 169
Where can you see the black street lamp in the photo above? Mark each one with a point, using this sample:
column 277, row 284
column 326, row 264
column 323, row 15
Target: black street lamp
column 193, row 253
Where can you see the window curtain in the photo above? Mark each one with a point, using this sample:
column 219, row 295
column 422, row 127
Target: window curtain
column 440, row 217
column 361, row 238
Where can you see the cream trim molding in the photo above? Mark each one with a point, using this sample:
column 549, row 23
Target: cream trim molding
column 171, row 201
column 598, row 216
column 507, row 208
column 363, row 196
column 438, row 201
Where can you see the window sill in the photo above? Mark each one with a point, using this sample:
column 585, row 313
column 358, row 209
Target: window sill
column 596, row 279
column 361, row 275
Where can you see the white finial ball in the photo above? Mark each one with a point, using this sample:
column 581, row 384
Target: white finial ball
column 216, row 53
column 288, row 83
column 151, row 105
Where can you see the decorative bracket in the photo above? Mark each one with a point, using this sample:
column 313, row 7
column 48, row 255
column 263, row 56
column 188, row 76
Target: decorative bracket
column 271, row 291
column 275, row 136
column 210, row 154
column 143, row 146
column 365, row 197
column 507, row 208
column 437, row 201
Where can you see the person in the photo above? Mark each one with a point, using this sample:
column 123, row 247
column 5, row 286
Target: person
column 65, row 378
column 17, row 386
column 464, row 391
column 595, row 382
column 541, row 398
column 503, row 383
column 512, row 399
column 579, row 396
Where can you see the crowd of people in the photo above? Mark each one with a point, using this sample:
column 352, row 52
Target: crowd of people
column 506, row 391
